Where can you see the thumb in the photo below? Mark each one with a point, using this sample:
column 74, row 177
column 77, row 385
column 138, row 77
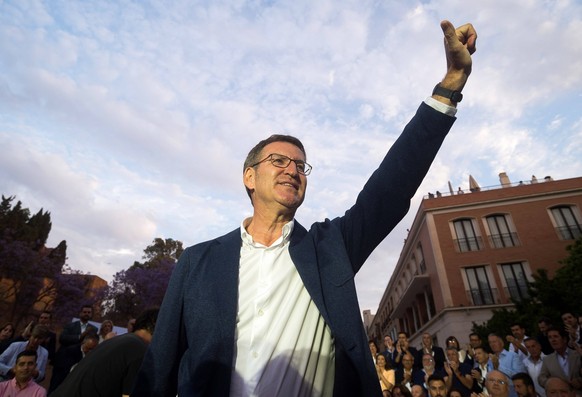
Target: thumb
column 449, row 31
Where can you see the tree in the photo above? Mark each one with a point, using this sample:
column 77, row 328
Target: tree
column 548, row 297
column 30, row 273
column 143, row 285
column 160, row 250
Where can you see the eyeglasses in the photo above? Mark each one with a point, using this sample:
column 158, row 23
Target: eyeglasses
column 498, row 381
column 281, row 161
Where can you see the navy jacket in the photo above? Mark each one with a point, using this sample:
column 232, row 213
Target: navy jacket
column 193, row 345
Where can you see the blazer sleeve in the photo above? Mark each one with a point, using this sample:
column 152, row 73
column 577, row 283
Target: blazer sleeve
column 544, row 372
column 385, row 198
column 158, row 375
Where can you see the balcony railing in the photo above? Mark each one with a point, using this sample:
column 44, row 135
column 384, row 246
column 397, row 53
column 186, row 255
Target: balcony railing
column 504, row 240
column 469, row 244
column 570, row 232
column 485, row 296
column 516, row 293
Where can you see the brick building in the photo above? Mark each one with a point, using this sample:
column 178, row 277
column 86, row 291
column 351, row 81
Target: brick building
column 467, row 254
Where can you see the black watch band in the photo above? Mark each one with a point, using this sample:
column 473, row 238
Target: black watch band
column 454, row 96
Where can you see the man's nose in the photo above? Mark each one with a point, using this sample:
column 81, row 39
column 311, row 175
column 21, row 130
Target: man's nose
column 292, row 168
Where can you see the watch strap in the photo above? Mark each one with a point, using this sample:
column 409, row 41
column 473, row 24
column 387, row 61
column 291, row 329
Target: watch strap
column 454, row 96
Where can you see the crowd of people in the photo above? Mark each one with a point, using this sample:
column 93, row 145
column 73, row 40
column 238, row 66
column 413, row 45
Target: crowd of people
column 89, row 360
column 515, row 365
column 100, row 362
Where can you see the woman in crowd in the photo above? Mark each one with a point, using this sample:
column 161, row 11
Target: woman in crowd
column 386, row 374
column 106, row 330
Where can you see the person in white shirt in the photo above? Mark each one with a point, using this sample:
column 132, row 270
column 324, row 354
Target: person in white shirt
column 533, row 363
column 517, row 339
column 271, row 307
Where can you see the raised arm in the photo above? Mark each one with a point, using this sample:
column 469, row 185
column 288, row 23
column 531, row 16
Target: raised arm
column 386, row 196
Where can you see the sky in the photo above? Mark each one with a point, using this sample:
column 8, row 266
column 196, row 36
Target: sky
column 130, row 120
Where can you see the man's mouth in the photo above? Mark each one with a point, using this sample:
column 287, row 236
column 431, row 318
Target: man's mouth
column 289, row 184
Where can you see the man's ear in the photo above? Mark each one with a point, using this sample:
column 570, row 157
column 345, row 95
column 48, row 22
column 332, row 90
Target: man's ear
column 249, row 178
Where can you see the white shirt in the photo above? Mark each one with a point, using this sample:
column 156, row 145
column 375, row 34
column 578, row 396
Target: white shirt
column 484, row 369
column 283, row 345
column 533, row 369
column 522, row 355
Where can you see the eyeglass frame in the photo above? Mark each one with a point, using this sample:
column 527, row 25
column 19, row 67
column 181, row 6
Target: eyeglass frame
column 307, row 168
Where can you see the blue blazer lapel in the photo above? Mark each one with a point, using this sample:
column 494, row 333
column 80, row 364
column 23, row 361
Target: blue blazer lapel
column 224, row 259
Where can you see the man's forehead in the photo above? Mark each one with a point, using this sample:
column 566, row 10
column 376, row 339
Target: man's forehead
column 286, row 148
column 496, row 375
column 436, row 383
column 25, row 359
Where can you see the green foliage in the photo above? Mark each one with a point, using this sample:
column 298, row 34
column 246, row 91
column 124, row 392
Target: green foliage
column 17, row 224
column 160, row 250
column 548, row 297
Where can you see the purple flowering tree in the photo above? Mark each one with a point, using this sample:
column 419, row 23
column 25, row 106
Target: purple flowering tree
column 143, row 285
column 31, row 275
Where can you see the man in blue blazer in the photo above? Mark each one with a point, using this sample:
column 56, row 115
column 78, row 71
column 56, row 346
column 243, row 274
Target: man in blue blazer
column 270, row 309
column 74, row 332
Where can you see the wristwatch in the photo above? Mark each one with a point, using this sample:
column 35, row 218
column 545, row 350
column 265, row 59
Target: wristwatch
column 454, row 96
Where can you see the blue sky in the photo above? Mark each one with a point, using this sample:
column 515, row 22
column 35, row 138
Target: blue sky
column 131, row 120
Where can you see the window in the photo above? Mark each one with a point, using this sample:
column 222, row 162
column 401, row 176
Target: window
column 480, row 290
column 467, row 238
column 516, row 280
column 567, row 223
column 500, row 231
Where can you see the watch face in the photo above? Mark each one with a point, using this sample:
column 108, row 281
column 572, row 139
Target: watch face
column 456, row 96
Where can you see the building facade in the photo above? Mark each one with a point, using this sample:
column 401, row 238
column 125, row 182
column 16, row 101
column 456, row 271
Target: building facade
column 471, row 252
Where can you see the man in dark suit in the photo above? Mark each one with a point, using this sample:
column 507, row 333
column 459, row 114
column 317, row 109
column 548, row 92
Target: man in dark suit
column 74, row 332
column 68, row 356
column 420, row 377
column 407, row 373
column 271, row 306
column 402, row 348
column 389, row 349
column 436, row 352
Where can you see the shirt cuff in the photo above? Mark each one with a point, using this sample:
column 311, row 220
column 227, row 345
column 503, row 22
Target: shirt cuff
column 441, row 107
